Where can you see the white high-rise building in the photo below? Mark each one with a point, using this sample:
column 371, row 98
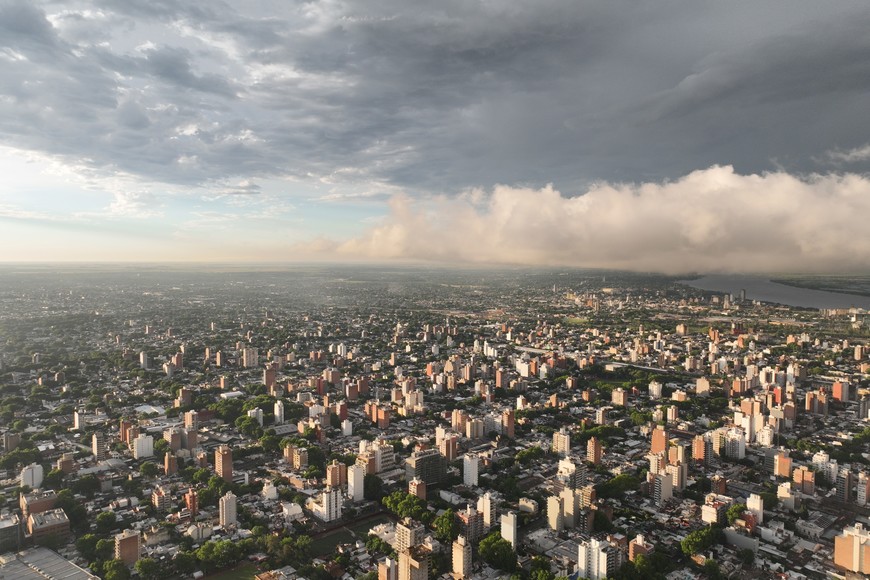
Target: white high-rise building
column 355, row 482
column 569, row 507
column 31, row 476
column 143, row 446
column 509, row 528
column 562, row 442
column 408, row 534
column 485, row 506
column 257, row 415
column 279, row 412
column 663, row 488
column 755, row 505
column 328, row 507
column 250, row 358
column 735, row 443
column 461, row 559
column 470, row 464
column 227, row 509
column 555, row 519
column 597, row 559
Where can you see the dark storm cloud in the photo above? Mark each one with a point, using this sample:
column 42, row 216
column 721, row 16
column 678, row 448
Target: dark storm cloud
column 435, row 96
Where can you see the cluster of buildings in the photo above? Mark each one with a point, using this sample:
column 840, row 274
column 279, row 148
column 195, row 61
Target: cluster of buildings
column 588, row 427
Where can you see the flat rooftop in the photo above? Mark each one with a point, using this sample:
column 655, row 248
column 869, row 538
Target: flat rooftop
column 41, row 564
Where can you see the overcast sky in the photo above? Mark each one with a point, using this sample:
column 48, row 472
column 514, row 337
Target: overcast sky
column 672, row 136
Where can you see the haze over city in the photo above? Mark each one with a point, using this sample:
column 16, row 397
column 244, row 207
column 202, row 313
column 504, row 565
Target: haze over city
column 670, row 136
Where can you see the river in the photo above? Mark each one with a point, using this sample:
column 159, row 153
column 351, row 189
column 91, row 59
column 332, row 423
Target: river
column 762, row 289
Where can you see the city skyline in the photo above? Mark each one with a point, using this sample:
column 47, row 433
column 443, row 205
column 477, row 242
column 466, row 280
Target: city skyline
column 666, row 138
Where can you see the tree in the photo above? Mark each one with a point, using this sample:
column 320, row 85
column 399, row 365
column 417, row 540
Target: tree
column 528, row 455
column 106, row 522
column 161, row 446
column 446, row 527
column 600, row 523
column 373, row 487
column 498, row 552
column 147, row 568
column 375, row 544
column 115, row 570
column 105, row 549
column 185, row 562
column 87, row 547
column 53, row 479
column 618, row 486
column 701, row 540
column 149, row 469
column 734, row 512
column 541, row 569
column 711, row 569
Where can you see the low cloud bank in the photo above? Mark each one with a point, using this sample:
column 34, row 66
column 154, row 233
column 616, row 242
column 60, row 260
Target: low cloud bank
column 711, row 220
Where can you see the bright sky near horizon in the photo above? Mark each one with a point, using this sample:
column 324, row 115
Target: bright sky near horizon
column 669, row 136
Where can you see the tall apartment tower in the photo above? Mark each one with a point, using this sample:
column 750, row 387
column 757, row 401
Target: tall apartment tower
column 593, row 451
column 659, row 440
column 470, row 463
column 408, row 534
column 98, row 446
column 509, row 528
column 562, row 442
column 223, row 463
column 852, row 550
column 414, row 564
column 355, row 482
column 227, row 509
column 127, row 547
column 461, row 558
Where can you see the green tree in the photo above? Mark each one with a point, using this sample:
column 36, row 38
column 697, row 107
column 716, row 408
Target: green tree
column 106, row 522
column 498, row 552
column 148, row 569
column 161, row 447
column 74, row 510
column 87, row 547
column 149, row 469
column 373, row 487
column 734, row 512
column 701, row 540
column 115, row 570
column 53, row 479
column 711, row 570
column 446, row 527
column 185, row 562
column 105, row 549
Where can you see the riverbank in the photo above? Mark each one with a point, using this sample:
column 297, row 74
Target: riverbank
column 764, row 289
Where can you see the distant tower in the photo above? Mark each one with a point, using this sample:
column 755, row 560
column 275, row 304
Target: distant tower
column 470, row 469
column 227, row 510
column 461, row 558
column 98, row 446
column 191, row 500
column 593, row 451
column 223, row 463
column 509, row 528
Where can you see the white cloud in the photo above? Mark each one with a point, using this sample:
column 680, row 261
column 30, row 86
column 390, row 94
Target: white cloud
column 709, row 220
column 851, row 155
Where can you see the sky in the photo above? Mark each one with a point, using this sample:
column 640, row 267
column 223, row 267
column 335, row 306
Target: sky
column 654, row 136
